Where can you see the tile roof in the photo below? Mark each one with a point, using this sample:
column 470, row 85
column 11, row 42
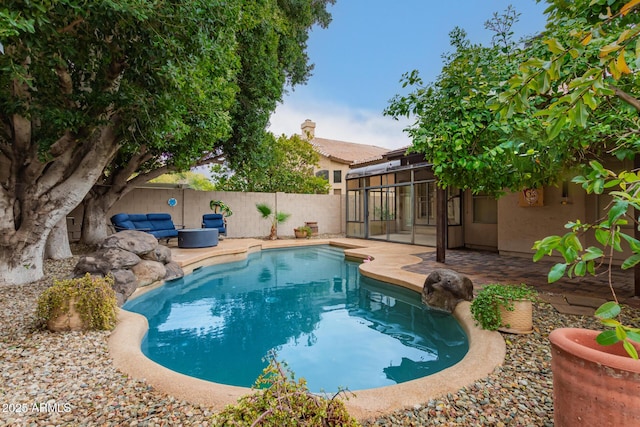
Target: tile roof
column 347, row 152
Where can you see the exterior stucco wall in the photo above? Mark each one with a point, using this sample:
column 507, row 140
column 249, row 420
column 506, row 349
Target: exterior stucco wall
column 519, row 227
column 327, row 210
column 327, row 164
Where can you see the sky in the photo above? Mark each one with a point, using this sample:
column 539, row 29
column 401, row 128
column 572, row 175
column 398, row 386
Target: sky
column 360, row 58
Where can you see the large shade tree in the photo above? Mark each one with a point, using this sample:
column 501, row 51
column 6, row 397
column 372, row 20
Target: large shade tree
column 471, row 145
column 281, row 163
column 271, row 55
column 86, row 84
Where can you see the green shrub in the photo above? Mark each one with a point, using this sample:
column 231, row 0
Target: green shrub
column 280, row 401
column 95, row 301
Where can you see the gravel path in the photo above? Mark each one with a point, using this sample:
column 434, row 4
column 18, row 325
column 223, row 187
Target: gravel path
column 67, row 379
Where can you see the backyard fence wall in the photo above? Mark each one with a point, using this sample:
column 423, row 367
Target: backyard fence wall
column 327, row 210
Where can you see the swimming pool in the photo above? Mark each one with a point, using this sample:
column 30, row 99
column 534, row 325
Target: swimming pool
column 331, row 325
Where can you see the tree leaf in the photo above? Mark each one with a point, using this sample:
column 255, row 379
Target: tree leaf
column 554, row 130
column 628, row 7
column 556, row 272
column 554, row 46
column 607, row 338
column 631, row 262
column 631, row 350
column 621, row 64
column 608, row 310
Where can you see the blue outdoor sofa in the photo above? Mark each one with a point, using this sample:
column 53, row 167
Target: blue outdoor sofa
column 160, row 225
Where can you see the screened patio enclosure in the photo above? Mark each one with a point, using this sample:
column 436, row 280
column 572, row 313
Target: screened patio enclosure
column 397, row 203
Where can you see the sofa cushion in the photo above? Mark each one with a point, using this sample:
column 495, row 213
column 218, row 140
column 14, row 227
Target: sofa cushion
column 163, row 234
column 140, row 222
column 122, row 221
column 161, row 221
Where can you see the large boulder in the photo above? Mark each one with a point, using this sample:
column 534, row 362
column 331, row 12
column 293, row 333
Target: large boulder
column 148, row 271
column 161, row 254
column 138, row 242
column 444, row 289
column 103, row 261
column 124, row 284
column 174, row 271
column 134, row 258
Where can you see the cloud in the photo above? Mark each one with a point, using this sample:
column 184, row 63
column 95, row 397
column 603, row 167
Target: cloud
column 341, row 123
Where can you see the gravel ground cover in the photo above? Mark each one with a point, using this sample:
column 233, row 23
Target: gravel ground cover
column 67, row 379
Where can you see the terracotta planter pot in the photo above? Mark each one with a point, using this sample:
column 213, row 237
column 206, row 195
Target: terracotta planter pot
column 593, row 385
column 70, row 321
column 518, row 321
column 300, row 234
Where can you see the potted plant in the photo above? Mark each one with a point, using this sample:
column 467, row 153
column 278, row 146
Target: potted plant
column 81, row 303
column 507, row 308
column 275, row 216
column 596, row 375
column 225, row 210
column 303, row 232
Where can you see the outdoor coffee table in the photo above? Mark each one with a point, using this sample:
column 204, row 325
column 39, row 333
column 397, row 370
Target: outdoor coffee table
column 197, row 237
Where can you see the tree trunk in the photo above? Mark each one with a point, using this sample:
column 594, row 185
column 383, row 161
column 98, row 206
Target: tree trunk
column 22, row 263
column 274, row 233
column 57, row 246
column 94, row 220
column 37, row 194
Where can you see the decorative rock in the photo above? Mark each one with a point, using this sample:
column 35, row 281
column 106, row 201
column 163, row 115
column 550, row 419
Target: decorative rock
column 137, row 242
column 134, row 258
column 161, row 254
column 174, row 271
column 147, row 272
column 125, row 283
column 444, row 289
column 104, row 260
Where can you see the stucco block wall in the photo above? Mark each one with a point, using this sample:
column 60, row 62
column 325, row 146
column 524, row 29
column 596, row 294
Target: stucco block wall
column 327, row 210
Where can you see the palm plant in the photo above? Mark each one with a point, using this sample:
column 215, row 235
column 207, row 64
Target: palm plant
column 275, row 216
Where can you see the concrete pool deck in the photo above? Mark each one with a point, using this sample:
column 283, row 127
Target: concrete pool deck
column 486, row 349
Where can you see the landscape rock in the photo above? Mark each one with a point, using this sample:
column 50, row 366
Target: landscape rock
column 105, row 260
column 147, row 272
column 125, row 283
column 138, row 242
column 161, row 254
column 444, row 289
column 134, row 258
column 174, row 271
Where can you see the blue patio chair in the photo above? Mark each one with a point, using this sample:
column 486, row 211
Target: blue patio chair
column 215, row 220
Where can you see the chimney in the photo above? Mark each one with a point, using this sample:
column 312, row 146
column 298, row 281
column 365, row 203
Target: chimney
column 308, row 129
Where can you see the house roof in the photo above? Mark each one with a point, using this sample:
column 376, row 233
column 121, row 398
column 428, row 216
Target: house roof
column 347, row 152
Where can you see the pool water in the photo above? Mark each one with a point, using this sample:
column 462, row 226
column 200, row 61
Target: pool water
column 331, row 325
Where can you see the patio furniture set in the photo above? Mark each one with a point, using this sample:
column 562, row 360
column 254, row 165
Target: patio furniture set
column 161, row 226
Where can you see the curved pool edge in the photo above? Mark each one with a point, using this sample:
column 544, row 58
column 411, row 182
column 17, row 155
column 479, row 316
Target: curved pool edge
column 487, row 349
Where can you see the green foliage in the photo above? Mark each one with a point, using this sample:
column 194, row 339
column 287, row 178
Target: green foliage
column 153, row 87
column 219, row 204
column 487, row 121
column 280, row 401
column 454, row 129
column 609, row 231
column 586, row 72
column 275, row 217
column 282, row 164
column 195, row 181
column 94, row 297
column 306, row 230
column 485, row 307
